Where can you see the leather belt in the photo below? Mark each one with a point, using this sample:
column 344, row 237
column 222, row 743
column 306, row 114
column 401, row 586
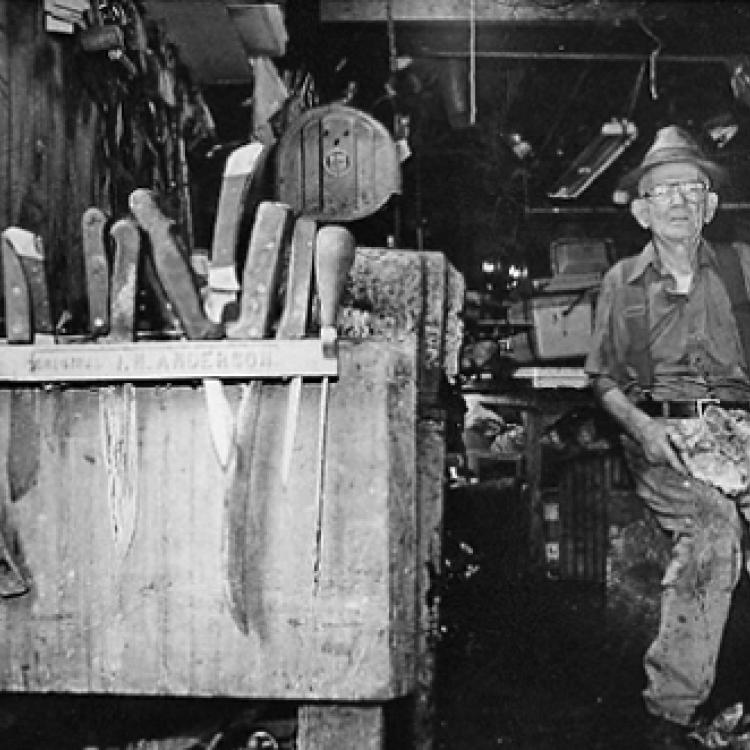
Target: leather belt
column 685, row 409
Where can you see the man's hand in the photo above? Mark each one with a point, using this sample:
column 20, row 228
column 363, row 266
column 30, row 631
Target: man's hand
column 654, row 438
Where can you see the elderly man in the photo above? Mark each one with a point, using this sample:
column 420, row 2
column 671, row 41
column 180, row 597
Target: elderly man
column 666, row 338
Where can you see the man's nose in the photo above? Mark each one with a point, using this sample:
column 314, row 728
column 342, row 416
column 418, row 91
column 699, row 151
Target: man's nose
column 677, row 196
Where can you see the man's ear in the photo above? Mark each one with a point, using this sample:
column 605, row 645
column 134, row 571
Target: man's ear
column 639, row 210
column 712, row 203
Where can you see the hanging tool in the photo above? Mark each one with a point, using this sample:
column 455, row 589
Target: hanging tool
column 334, row 256
column 294, row 323
column 96, row 269
column 223, row 286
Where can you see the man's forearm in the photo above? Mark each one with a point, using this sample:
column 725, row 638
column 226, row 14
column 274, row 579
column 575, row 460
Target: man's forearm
column 632, row 420
column 651, row 434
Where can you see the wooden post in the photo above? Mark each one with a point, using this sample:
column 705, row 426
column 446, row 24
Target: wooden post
column 341, row 727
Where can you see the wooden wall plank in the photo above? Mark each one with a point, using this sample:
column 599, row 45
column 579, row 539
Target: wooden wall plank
column 5, row 117
column 430, row 507
column 22, row 29
column 341, row 727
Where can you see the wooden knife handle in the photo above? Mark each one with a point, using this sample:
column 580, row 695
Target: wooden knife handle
column 30, row 251
column 261, row 272
column 18, row 322
column 172, row 267
column 334, row 256
column 93, row 226
column 293, row 323
column 127, row 241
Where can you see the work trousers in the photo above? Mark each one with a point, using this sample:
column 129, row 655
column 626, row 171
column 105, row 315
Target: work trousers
column 704, row 568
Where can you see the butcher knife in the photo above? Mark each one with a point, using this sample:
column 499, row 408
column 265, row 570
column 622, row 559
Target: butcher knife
column 223, row 285
column 259, row 283
column 293, row 324
column 172, row 266
column 334, row 256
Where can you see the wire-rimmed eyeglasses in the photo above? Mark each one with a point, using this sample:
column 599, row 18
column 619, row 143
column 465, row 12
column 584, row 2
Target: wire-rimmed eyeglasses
column 692, row 191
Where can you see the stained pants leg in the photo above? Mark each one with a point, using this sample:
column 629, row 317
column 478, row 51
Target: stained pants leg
column 697, row 586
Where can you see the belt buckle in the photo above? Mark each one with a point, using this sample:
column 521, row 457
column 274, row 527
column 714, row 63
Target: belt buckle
column 702, row 403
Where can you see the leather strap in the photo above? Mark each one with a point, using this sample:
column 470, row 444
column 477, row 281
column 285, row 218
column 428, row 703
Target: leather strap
column 732, row 275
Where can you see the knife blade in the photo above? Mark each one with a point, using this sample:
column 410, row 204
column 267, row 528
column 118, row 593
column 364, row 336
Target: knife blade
column 334, row 256
column 259, row 280
column 293, row 325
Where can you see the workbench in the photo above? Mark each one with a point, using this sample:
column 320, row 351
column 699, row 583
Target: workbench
column 541, row 395
column 114, row 501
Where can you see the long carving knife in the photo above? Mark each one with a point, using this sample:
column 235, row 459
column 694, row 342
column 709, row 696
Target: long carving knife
column 223, row 287
column 334, row 256
column 93, row 226
column 223, row 284
column 18, row 323
column 261, row 270
column 293, row 325
column 30, row 251
column 172, row 266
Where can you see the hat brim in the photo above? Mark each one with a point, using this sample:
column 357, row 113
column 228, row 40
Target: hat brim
column 714, row 172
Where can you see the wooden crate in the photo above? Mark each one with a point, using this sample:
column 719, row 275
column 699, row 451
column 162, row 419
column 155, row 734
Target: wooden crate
column 149, row 614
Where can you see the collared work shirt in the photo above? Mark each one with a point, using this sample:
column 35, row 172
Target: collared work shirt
column 694, row 345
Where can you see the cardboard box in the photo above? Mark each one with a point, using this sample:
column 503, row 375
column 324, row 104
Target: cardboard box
column 561, row 324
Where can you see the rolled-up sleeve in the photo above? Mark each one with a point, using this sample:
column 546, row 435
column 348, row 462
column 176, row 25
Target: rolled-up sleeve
column 601, row 365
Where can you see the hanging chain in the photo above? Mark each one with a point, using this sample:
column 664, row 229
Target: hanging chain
column 473, row 62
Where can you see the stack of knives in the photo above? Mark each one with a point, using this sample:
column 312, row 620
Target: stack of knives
column 215, row 305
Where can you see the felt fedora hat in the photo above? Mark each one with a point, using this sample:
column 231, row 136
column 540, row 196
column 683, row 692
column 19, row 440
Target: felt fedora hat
column 673, row 144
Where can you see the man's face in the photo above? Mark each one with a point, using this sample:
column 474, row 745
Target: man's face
column 672, row 203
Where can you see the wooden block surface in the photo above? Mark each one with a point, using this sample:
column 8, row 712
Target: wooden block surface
column 152, row 617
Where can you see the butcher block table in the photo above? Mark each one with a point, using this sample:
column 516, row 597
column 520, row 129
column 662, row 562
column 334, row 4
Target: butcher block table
column 127, row 525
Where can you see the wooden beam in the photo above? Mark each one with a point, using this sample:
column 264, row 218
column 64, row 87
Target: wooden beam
column 343, row 11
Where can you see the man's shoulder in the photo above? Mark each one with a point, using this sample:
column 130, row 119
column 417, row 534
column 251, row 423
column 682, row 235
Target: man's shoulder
column 621, row 270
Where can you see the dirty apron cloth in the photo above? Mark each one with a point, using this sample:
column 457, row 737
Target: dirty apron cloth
column 697, row 587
